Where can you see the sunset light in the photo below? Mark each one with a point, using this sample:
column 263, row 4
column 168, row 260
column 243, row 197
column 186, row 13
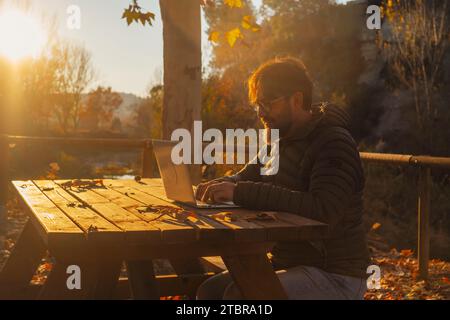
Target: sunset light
column 21, row 35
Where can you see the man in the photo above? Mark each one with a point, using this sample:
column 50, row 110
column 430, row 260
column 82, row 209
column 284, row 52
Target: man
column 320, row 177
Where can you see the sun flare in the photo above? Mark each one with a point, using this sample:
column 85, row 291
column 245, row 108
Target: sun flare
column 21, row 35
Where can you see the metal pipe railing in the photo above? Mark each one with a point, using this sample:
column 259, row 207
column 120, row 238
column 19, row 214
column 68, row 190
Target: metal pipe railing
column 423, row 163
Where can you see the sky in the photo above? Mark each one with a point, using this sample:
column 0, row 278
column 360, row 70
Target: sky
column 127, row 58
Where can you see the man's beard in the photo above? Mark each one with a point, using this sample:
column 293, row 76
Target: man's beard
column 283, row 124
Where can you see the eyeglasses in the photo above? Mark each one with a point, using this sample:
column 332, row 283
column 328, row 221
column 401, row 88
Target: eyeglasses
column 265, row 107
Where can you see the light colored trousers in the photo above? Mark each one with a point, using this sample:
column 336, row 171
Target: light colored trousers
column 300, row 283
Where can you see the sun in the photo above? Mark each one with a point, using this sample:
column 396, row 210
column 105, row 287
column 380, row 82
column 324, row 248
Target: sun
column 21, row 36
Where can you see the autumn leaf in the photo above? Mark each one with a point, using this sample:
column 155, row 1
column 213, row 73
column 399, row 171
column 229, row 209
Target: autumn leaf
column 47, row 267
column 214, row 36
column 248, row 22
column 126, row 12
column 234, row 35
column 147, row 17
column 134, row 14
column 406, row 253
column 234, row 3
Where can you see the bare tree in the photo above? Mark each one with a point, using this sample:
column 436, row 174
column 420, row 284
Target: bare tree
column 415, row 47
column 74, row 74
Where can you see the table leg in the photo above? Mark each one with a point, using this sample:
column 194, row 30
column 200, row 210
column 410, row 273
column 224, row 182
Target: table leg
column 255, row 277
column 98, row 279
column 106, row 278
column 187, row 266
column 21, row 266
column 141, row 278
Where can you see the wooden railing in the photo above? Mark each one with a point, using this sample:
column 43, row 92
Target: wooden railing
column 423, row 163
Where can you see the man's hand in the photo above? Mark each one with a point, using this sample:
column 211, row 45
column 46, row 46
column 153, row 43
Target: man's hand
column 215, row 192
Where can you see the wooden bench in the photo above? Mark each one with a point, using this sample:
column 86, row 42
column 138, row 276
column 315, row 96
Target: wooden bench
column 98, row 225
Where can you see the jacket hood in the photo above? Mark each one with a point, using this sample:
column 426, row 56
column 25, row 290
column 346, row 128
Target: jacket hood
column 331, row 115
column 325, row 115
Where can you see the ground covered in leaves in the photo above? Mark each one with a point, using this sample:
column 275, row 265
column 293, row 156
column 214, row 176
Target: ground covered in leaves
column 400, row 280
column 399, row 269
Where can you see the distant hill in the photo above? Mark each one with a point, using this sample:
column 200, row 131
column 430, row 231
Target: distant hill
column 125, row 112
column 127, row 109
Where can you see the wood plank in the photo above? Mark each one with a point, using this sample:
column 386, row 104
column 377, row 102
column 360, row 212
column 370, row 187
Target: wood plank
column 244, row 230
column 286, row 227
column 141, row 276
column 156, row 182
column 82, row 194
column 136, row 230
column 289, row 228
column 254, row 277
column 118, row 198
column 96, row 227
column 197, row 249
column 52, row 223
column 213, row 264
column 153, row 182
column 172, row 230
column 153, row 187
column 209, row 227
column 106, row 274
column 308, row 229
column 280, row 230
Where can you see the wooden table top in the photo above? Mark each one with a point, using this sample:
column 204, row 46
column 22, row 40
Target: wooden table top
column 127, row 212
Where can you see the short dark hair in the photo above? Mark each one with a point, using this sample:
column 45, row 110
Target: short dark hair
column 281, row 77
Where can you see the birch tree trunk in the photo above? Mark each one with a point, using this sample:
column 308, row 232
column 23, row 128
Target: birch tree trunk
column 182, row 64
column 182, row 83
column 182, row 68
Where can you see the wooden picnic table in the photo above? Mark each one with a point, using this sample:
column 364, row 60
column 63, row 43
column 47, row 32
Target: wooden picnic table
column 98, row 225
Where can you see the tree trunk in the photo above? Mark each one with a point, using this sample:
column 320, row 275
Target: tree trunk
column 182, row 66
column 182, row 82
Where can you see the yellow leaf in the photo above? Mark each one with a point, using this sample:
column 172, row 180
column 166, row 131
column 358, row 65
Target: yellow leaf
column 234, row 3
column 246, row 22
column 214, row 36
column 249, row 23
column 233, row 35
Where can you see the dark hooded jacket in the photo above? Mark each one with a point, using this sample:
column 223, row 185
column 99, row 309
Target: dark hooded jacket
column 320, row 177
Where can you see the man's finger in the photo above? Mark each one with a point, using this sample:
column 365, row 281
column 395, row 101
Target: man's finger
column 206, row 194
column 201, row 189
column 209, row 192
column 203, row 186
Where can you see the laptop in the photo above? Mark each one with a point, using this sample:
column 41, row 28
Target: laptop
column 177, row 179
